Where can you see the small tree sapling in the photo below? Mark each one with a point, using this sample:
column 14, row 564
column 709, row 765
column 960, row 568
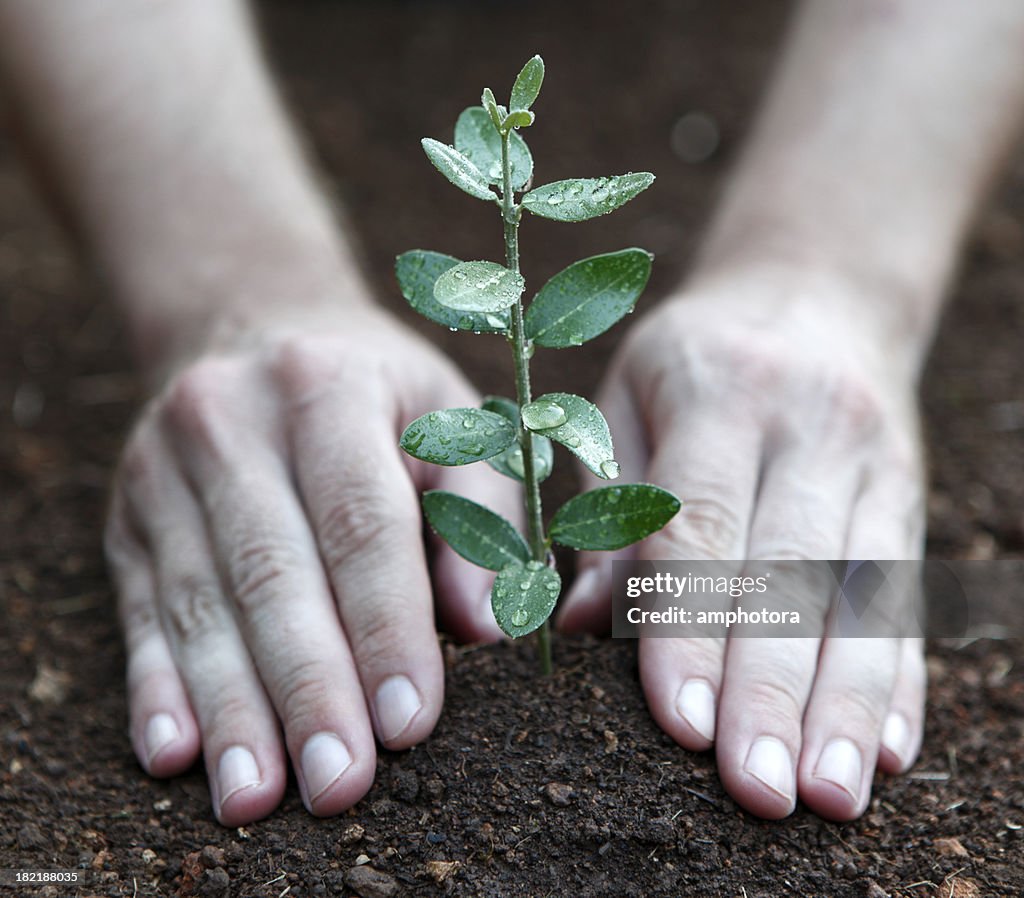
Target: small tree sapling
column 490, row 161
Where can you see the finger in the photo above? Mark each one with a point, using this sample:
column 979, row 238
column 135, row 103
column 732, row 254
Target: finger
column 802, row 513
column 852, row 702
column 365, row 514
column 903, row 727
column 164, row 731
column 586, row 606
column 241, row 744
column 712, row 463
column 843, row 724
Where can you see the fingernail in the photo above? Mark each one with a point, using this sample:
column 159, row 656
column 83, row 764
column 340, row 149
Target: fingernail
column 324, row 759
column 896, row 737
column 236, row 770
column 696, row 705
column 769, row 762
column 840, row 764
column 397, row 702
column 161, row 731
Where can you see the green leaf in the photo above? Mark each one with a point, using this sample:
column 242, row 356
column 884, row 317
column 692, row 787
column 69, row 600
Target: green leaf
column 417, row 272
column 491, row 105
column 457, row 169
column 583, row 198
column 479, row 287
column 587, row 298
column 524, row 597
column 578, row 425
column 521, row 119
column 527, row 86
column 613, row 516
column 477, row 138
column 457, row 436
column 476, row 533
column 510, row 462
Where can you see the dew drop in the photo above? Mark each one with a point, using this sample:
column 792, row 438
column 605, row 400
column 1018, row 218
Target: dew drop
column 612, row 497
column 454, row 330
column 556, row 199
column 575, row 339
column 600, row 195
column 496, row 322
column 495, row 170
column 460, row 275
column 573, row 441
column 524, row 585
column 444, row 441
column 534, row 566
column 610, row 468
column 543, row 414
column 520, row 617
column 552, row 586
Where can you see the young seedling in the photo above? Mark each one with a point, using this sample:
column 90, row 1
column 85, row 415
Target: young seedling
column 514, row 436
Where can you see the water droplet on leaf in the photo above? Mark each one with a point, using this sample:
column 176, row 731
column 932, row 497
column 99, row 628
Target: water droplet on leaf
column 534, row 566
column 520, row 617
column 610, row 468
column 542, row 414
column 556, row 199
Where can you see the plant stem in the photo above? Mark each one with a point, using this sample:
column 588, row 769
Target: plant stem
column 510, row 214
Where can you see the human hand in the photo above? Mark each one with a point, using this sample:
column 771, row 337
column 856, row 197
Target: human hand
column 788, row 428
column 265, row 537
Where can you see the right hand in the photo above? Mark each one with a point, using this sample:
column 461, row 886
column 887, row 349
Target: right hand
column 265, row 536
column 779, row 415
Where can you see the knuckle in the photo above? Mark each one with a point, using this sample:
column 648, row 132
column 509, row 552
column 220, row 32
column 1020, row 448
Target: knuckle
column 353, row 524
column 302, row 692
column 194, row 405
column 230, row 711
column 308, row 367
column 257, row 572
column 302, row 365
column 192, row 608
column 779, row 697
column 375, row 638
column 856, row 405
column 706, row 528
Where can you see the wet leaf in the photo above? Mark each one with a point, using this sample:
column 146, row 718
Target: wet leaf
column 457, row 436
column 523, row 597
column 521, row 119
column 479, row 287
column 583, row 198
column 417, row 272
column 491, row 105
column 477, row 138
column 587, row 298
column 527, row 86
column 613, row 516
column 584, row 431
column 510, row 462
column 457, row 169
column 476, row 533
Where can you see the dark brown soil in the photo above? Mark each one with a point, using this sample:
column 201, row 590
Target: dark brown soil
column 528, row 787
